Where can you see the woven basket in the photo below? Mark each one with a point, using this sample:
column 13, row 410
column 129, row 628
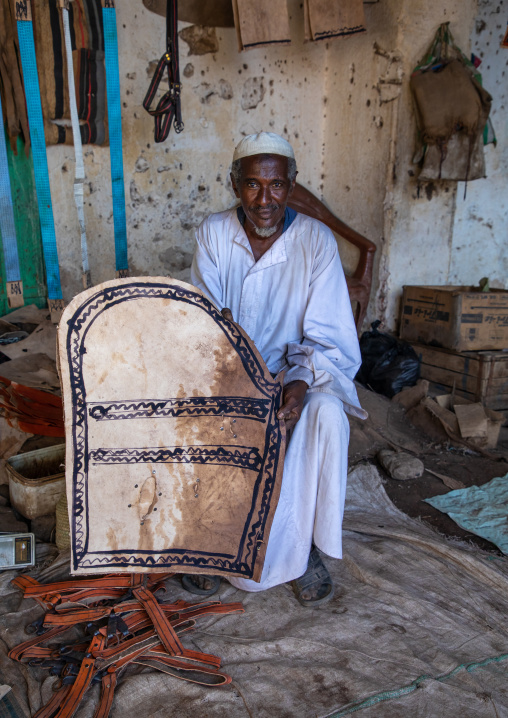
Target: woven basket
column 63, row 530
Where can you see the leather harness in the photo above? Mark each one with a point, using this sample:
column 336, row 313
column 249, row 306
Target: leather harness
column 169, row 107
column 121, row 622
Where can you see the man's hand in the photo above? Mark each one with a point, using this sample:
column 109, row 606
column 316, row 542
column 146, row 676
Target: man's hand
column 293, row 393
column 227, row 314
column 293, row 396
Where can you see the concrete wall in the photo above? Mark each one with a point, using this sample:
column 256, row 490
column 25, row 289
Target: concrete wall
column 345, row 106
column 171, row 186
column 435, row 236
column 479, row 244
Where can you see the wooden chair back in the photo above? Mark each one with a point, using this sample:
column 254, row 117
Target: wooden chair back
column 360, row 282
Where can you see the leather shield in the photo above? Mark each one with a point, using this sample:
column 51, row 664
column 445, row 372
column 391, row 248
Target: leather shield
column 174, row 454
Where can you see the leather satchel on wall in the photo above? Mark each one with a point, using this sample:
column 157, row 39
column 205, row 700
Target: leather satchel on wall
column 174, row 452
column 452, row 109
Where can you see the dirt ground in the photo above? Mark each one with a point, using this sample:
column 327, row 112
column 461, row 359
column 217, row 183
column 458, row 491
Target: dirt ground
column 388, row 427
column 299, row 662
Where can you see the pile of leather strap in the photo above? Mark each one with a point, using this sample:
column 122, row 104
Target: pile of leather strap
column 119, row 623
column 31, row 410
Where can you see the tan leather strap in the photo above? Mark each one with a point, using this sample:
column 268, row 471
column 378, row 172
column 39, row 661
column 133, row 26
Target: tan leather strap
column 83, row 680
column 127, row 655
column 176, row 668
column 23, row 582
column 191, row 656
column 116, row 650
column 124, row 581
column 24, row 649
column 164, row 629
column 91, row 595
column 70, row 617
column 108, row 686
column 49, row 709
column 217, row 609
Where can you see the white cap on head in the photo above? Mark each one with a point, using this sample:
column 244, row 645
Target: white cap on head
column 263, row 143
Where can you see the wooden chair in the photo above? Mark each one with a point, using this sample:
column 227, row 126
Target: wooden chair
column 359, row 284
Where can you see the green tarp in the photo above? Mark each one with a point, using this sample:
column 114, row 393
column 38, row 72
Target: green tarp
column 483, row 510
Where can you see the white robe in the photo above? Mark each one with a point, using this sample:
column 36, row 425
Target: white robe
column 294, row 304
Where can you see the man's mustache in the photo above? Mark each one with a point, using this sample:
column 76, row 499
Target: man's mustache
column 257, row 208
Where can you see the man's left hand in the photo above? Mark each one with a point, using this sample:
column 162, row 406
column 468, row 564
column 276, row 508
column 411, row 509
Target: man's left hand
column 293, row 396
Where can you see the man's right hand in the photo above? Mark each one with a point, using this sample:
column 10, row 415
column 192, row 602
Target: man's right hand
column 227, row 314
column 292, row 406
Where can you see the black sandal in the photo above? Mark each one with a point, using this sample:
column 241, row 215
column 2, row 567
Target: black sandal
column 316, row 576
column 189, row 585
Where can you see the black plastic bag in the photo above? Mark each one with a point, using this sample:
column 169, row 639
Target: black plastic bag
column 388, row 364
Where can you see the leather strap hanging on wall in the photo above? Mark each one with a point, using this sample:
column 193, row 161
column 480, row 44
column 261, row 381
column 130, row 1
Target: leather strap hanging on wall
column 87, row 38
column 14, row 285
column 168, row 108
column 115, row 136
column 11, row 81
column 36, row 122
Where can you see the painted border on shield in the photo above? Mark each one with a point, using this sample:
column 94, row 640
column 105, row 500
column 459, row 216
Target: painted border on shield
column 243, row 564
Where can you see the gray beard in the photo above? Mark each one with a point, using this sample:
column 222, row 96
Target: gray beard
column 265, row 231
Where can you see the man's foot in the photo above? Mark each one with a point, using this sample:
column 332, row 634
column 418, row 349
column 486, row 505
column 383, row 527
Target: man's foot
column 201, row 585
column 315, row 587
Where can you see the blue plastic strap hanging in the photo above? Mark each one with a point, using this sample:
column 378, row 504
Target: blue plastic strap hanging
column 36, row 124
column 14, row 284
column 115, row 136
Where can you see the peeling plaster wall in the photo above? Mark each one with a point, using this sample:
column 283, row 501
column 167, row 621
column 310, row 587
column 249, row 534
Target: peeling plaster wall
column 324, row 97
column 418, row 225
column 435, row 236
column 363, row 80
column 479, row 245
column 170, row 187
column 344, row 105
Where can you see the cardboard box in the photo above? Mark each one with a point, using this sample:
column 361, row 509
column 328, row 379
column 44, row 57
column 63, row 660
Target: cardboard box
column 478, row 376
column 476, row 423
column 455, row 317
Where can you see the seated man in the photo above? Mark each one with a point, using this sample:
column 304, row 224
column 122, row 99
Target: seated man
column 279, row 276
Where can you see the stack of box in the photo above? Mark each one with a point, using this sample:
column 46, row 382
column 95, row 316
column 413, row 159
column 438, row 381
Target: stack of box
column 461, row 336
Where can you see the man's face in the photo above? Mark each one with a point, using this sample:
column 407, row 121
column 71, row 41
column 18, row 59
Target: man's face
column 264, row 190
